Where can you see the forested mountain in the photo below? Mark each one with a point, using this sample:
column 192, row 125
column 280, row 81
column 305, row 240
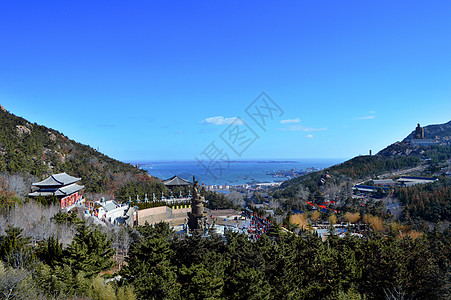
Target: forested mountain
column 430, row 203
column 399, row 155
column 35, row 151
column 339, row 179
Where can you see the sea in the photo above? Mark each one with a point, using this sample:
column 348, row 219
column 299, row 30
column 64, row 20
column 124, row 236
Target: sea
column 236, row 172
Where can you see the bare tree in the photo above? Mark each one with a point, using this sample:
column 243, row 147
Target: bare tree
column 16, row 283
column 27, row 215
column 236, row 197
column 20, row 258
column 274, row 205
column 396, row 293
column 302, row 193
column 36, row 221
column 121, row 243
column 65, row 234
column 20, row 184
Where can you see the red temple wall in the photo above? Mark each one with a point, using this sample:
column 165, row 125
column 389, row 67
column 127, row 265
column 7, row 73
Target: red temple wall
column 69, row 200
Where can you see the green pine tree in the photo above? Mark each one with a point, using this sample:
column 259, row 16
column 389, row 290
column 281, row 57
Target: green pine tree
column 149, row 269
column 90, row 251
column 50, row 251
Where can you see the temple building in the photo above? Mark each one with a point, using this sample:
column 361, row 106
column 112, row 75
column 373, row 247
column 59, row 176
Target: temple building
column 62, row 186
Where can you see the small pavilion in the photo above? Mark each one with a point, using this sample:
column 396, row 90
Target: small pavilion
column 176, row 181
column 62, row 186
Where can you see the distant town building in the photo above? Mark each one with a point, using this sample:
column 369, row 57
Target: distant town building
column 62, row 186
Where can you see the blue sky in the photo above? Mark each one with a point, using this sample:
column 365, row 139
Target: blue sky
column 145, row 80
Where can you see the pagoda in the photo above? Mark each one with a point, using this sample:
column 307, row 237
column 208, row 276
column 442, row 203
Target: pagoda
column 176, row 181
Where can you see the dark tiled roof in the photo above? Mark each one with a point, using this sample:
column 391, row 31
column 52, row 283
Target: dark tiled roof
column 56, row 180
column 175, row 180
column 415, row 178
column 70, row 189
column 369, row 187
column 59, row 192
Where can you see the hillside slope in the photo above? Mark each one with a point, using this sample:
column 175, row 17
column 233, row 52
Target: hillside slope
column 35, row 151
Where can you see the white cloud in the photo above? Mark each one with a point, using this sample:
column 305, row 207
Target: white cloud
column 220, row 120
column 366, row 118
column 299, row 127
column 310, row 136
column 290, row 121
column 372, row 112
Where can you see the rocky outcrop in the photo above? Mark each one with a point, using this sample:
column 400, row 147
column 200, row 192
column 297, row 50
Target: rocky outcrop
column 401, row 148
column 22, row 129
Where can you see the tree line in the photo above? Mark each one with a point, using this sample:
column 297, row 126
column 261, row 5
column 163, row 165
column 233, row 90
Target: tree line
column 162, row 264
column 431, row 202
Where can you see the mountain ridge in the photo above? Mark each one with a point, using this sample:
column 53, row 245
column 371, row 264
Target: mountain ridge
column 29, row 151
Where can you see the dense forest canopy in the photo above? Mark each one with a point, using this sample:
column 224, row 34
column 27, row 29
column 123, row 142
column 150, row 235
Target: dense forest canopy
column 162, row 265
column 430, row 202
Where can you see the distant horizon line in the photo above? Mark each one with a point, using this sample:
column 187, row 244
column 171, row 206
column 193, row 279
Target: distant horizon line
column 263, row 160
